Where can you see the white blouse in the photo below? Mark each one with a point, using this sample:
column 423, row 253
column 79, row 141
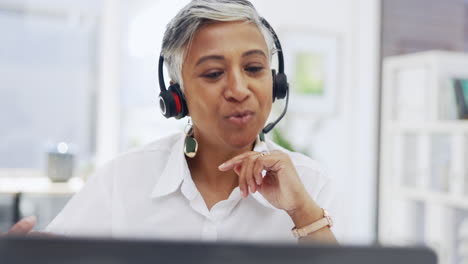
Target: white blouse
column 149, row 193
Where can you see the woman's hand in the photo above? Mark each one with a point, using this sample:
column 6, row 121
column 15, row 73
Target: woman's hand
column 281, row 185
column 24, row 227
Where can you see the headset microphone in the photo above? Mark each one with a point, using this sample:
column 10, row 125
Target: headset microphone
column 271, row 125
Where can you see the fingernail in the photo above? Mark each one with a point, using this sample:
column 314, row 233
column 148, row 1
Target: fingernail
column 258, row 181
column 222, row 166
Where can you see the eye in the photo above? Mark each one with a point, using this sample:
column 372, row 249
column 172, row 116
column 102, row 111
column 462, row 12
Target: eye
column 213, row 75
column 254, row 69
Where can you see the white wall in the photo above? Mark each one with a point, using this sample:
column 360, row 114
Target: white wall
column 345, row 142
column 108, row 115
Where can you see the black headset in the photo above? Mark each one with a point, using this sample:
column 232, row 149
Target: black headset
column 172, row 100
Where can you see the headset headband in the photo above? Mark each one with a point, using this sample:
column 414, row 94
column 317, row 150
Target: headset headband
column 162, row 85
column 279, row 52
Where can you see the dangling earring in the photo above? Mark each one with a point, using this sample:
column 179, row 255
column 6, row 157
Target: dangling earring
column 191, row 144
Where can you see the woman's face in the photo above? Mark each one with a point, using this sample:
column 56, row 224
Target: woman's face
column 228, row 83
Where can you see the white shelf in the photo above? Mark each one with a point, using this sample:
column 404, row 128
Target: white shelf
column 448, row 199
column 39, row 185
column 425, row 146
column 449, row 126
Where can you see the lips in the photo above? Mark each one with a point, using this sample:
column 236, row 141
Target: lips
column 240, row 118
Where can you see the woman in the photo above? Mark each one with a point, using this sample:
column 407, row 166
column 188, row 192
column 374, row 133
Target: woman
column 232, row 185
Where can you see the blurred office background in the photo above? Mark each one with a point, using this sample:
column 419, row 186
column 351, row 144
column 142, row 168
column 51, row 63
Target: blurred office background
column 79, row 86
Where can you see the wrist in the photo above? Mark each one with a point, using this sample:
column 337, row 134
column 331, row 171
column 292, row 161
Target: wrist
column 307, row 212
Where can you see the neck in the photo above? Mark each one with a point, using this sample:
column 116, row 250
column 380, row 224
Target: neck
column 204, row 166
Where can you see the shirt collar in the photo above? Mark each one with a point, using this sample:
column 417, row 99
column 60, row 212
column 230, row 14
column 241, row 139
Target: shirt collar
column 173, row 174
column 176, row 172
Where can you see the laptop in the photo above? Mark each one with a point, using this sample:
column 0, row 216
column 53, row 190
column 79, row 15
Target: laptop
column 22, row 250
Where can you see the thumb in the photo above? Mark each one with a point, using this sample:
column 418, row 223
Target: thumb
column 24, row 226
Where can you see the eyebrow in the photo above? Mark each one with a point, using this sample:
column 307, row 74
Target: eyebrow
column 220, row 57
column 254, row 52
column 209, row 57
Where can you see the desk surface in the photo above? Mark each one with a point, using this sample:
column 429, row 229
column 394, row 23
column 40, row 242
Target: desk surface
column 39, row 185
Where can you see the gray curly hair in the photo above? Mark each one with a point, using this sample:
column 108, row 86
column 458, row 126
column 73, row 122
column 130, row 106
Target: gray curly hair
column 181, row 29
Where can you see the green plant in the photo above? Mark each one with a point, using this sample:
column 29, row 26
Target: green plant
column 278, row 138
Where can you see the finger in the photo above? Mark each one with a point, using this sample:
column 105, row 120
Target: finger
column 228, row 165
column 237, row 169
column 243, row 184
column 234, row 161
column 257, row 170
column 24, row 226
column 249, row 163
column 272, row 162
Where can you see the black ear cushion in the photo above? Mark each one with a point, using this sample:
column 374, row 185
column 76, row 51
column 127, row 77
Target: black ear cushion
column 167, row 104
column 179, row 99
column 282, row 86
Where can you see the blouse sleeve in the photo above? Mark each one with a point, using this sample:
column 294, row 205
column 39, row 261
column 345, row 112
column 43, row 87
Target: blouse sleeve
column 323, row 190
column 328, row 199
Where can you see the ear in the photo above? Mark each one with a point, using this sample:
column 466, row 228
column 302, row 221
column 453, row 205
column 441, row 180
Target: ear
column 171, row 82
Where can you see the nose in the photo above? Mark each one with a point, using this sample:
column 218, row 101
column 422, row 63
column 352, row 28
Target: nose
column 237, row 87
